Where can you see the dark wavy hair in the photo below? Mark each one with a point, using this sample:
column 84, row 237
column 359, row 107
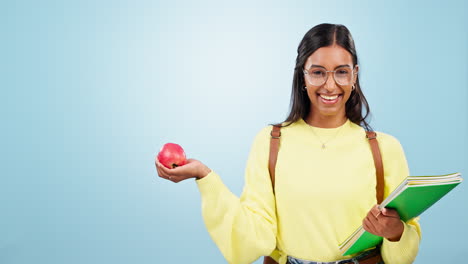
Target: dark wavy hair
column 324, row 35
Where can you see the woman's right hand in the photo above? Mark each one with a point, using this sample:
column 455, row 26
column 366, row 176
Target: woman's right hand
column 192, row 169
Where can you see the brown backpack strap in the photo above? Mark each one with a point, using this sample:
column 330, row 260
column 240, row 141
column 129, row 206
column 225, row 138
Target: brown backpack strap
column 269, row 260
column 379, row 169
column 274, row 147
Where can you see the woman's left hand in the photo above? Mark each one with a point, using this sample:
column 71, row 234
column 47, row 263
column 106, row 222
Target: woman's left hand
column 385, row 223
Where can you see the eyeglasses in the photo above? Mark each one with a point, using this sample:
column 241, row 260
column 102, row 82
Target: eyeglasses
column 317, row 76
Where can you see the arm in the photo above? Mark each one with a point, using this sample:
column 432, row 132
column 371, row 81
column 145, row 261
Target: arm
column 402, row 249
column 243, row 228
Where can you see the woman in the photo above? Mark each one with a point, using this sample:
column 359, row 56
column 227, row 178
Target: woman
column 325, row 174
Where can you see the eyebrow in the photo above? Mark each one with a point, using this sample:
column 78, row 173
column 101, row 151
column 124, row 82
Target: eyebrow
column 320, row 66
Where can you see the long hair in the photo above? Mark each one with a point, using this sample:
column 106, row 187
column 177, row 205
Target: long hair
column 324, row 35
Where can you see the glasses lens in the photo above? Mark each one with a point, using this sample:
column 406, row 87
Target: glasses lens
column 316, row 76
column 343, row 76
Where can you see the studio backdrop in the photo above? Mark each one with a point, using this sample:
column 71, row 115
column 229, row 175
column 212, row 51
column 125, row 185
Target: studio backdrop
column 91, row 90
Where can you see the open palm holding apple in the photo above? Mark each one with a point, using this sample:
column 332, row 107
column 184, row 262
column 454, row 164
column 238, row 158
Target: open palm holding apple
column 171, row 164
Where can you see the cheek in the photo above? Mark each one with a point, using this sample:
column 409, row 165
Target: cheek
column 312, row 95
column 348, row 92
column 312, row 91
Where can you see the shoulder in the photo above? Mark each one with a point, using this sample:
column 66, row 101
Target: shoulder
column 261, row 143
column 394, row 159
column 264, row 132
column 387, row 138
column 263, row 135
column 389, row 144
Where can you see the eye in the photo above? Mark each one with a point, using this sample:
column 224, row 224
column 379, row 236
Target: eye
column 317, row 73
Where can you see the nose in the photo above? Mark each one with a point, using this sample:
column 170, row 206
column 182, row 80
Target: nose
column 330, row 84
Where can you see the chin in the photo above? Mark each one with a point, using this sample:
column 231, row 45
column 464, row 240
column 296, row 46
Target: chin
column 329, row 112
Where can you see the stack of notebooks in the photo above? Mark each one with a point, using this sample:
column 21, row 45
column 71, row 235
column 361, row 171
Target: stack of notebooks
column 411, row 198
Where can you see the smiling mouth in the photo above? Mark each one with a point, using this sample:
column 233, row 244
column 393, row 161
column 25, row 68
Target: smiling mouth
column 330, row 99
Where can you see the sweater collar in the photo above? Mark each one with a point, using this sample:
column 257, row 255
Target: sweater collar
column 326, row 131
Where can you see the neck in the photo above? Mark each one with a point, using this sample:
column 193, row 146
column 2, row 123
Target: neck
column 326, row 121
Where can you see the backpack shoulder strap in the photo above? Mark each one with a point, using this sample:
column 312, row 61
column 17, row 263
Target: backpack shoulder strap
column 274, row 148
column 379, row 169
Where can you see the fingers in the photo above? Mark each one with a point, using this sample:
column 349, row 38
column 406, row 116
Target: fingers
column 365, row 225
column 369, row 226
column 190, row 170
column 373, row 215
column 375, row 212
column 390, row 213
column 371, row 222
column 384, row 223
column 163, row 172
column 174, row 175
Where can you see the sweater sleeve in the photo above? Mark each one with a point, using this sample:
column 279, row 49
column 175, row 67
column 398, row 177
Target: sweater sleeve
column 243, row 228
column 395, row 170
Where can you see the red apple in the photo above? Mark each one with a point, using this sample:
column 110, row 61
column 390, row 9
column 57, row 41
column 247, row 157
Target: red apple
column 172, row 155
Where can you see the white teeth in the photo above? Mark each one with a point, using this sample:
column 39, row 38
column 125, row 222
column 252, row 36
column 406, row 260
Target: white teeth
column 329, row 97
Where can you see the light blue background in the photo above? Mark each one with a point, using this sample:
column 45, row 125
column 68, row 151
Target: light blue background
column 91, row 90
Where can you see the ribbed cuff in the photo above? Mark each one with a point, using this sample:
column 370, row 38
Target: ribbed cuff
column 210, row 182
column 404, row 250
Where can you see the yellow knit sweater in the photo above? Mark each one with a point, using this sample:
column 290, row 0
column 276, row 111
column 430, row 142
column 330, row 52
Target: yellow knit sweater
column 322, row 196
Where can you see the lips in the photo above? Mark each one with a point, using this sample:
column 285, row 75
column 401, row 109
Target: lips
column 330, row 99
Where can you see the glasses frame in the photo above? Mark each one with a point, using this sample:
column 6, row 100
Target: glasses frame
column 328, row 73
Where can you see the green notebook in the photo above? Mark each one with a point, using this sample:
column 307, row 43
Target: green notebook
column 411, row 198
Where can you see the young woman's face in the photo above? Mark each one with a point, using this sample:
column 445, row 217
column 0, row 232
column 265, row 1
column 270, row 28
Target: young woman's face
column 327, row 96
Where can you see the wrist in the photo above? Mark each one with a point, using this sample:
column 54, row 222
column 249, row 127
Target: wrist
column 204, row 171
column 397, row 237
column 394, row 239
